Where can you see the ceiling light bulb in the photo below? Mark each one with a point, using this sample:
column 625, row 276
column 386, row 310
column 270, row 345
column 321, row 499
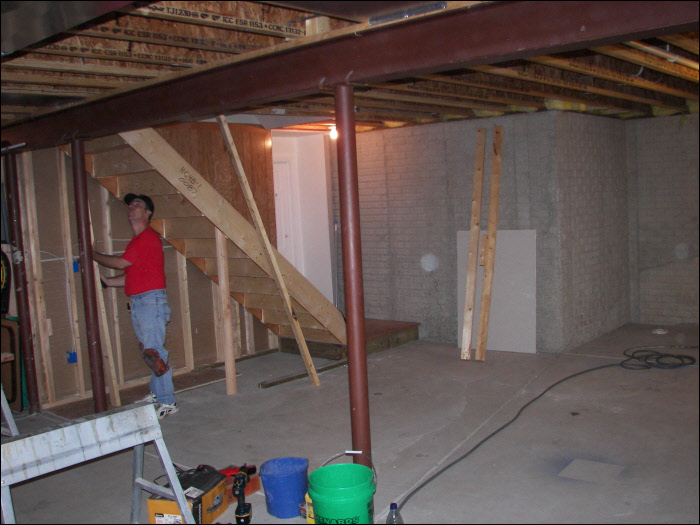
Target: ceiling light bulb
column 334, row 133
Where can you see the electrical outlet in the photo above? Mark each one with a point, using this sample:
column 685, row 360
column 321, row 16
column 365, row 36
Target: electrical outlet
column 71, row 357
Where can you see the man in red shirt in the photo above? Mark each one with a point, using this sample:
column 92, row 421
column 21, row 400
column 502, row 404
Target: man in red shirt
column 144, row 283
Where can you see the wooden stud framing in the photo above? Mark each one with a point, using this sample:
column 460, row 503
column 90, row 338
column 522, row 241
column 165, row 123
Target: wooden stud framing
column 70, row 276
column 474, row 230
column 249, row 333
column 225, row 311
column 37, row 307
column 185, row 319
column 270, row 255
column 107, row 353
column 236, row 320
column 112, row 292
column 217, row 321
column 490, row 247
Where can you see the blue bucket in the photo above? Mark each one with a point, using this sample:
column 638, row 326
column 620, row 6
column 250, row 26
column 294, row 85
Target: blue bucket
column 285, row 482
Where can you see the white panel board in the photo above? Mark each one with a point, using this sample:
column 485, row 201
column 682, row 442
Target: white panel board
column 512, row 320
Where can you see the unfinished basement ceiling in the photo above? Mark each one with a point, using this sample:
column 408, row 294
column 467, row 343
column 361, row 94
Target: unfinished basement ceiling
column 150, row 45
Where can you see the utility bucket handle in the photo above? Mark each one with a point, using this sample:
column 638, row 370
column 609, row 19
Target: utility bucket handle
column 353, row 453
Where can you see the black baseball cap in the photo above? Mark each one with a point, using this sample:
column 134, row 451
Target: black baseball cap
column 145, row 198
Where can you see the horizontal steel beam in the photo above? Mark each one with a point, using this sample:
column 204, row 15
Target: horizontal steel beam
column 485, row 34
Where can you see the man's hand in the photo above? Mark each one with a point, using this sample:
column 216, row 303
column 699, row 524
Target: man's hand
column 115, row 281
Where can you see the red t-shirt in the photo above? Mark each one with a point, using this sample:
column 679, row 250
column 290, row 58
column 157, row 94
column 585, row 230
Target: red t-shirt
column 146, row 273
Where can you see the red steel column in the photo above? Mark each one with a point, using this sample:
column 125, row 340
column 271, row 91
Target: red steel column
column 87, row 276
column 352, row 272
column 21, row 285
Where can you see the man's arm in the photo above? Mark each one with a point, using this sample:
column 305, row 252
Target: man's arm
column 116, row 281
column 110, row 261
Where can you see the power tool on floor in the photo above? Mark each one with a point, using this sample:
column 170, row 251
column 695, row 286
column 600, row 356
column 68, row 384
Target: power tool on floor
column 243, row 510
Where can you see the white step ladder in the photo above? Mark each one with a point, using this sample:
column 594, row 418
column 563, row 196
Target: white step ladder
column 27, row 456
column 11, row 429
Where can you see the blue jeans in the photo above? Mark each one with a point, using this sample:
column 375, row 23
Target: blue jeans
column 149, row 315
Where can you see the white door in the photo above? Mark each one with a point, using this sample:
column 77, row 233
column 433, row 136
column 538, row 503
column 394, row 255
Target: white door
column 302, row 203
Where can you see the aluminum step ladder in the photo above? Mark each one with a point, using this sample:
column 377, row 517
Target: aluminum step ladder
column 11, row 429
column 30, row 455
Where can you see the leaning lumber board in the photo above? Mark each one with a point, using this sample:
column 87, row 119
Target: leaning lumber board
column 270, row 254
column 474, row 230
column 490, row 257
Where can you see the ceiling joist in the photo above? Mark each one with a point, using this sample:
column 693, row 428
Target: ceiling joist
column 412, row 66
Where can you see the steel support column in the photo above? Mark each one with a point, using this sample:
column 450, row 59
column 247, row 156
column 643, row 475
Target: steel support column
column 352, row 272
column 21, row 285
column 87, row 276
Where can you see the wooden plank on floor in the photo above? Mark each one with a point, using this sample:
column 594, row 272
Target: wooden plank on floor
column 300, row 375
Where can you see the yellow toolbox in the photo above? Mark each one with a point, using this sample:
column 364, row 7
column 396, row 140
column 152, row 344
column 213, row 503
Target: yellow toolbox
column 205, row 489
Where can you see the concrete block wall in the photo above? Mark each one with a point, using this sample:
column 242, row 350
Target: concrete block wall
column 416, row 188
column 662, row 158
column 593, row 214
column 565, row 175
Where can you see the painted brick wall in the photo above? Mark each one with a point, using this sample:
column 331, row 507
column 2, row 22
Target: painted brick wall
column 416, row 188
column 593, row 213
column 570, row 177
column 663, row 167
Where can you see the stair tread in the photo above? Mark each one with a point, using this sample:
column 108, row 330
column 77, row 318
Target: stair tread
column 192, row 233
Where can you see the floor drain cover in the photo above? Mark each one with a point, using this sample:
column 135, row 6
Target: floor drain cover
column 593, row 471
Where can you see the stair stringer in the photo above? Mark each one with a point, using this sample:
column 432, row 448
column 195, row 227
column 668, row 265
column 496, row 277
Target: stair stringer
column 194, row 188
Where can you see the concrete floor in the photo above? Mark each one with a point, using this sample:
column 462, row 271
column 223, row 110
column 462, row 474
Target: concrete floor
column 609, row 446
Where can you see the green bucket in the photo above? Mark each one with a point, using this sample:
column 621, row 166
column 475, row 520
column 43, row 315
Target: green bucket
column 343, row 493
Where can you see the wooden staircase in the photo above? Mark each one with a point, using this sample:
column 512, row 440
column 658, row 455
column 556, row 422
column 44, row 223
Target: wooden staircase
column 188, row 213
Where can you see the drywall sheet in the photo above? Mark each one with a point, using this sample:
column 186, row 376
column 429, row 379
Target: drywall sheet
column 512, row 319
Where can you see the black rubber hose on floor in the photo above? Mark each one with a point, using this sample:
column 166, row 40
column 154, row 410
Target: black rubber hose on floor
column 638, row 358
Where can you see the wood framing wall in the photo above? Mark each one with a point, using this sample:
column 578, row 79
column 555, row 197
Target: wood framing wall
column 49, row 226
